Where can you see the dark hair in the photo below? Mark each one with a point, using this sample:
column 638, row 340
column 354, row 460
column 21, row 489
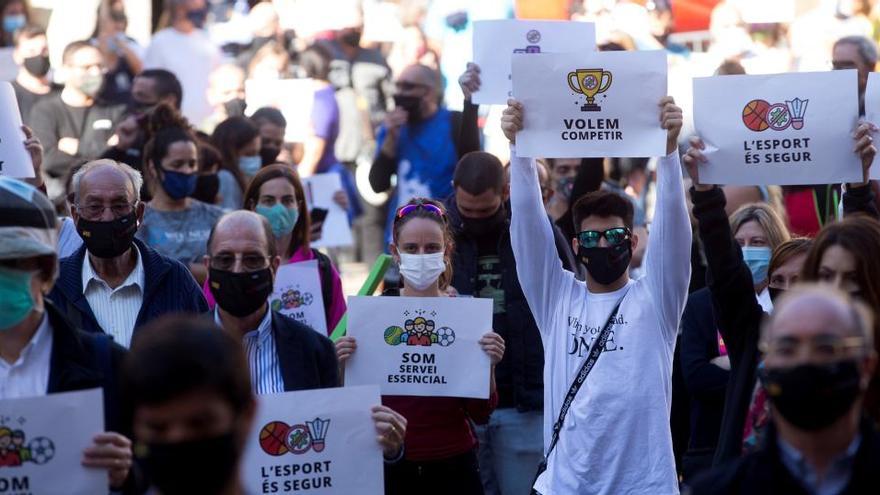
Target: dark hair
column 302, row 230
column 271, row 249
column 230, row 136
column 28, row 32
column 602, row 204
column 269, row 115
column 167, row 84
column 315, row 62
column 589, row 178
column 178, row 355
column 478, row 172
column 166, row 126
column 788, row 250
column 4, row 36
column 398, row 224
column 71, row 49
column 209, row 156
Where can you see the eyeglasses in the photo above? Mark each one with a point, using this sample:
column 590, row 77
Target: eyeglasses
column 409, row 86
column 250, row 262
column 406, row 210
column 615, row 237
column 92, row 211
column 824, row 348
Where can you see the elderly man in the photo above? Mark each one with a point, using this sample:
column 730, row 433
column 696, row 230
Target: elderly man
column 40, row 353
column 283, row 355
column 856, row 52
column 818, row 360
column 115, row 283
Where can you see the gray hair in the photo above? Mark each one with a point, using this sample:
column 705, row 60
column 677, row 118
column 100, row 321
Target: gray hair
column 137, row 181
column 866, row 46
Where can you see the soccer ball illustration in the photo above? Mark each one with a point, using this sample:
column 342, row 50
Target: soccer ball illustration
column 42, row 450
column 445, row 336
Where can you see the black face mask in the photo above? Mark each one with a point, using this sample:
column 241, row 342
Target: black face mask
column 812, row 396
column 207, row 187
column 198, row 17
column 38, row 65
column 412, row 105
column 235, row 107
column 108, row 239
column 269, row 155
column 606, row 264
column 482, row 227
column 240, row 294
column 204, row 466
column 351, row 38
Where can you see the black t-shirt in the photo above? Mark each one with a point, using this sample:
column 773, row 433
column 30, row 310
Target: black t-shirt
column 27, row 100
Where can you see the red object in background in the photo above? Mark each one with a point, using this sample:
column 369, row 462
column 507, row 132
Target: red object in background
column 692, row 15
column 543, row 9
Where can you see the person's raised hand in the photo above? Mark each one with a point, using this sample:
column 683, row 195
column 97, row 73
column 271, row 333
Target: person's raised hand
column 391, row 427
column 340, row 197
column 693, row 159
column 110, row 451
column 35, row 149
column 864, row 147
column 671, row 119
column 512, row 120
column 394, row 120
column 470, row 80
column 345, row 347
column 493, row 345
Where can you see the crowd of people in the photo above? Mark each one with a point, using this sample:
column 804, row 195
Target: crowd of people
column 651, row 334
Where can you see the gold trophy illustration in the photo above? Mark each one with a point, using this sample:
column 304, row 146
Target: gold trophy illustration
column 590, row 83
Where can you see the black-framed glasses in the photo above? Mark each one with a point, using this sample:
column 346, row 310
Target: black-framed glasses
column 823, row 347
column 92, row 211
column 615, row 237
column 406, row 210
column 250, row 262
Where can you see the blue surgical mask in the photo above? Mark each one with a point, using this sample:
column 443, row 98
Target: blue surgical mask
column 758, row 260
column 16, row 301
column 250, row 165
column 178, row 185
column 282, row 219
column 12, row 23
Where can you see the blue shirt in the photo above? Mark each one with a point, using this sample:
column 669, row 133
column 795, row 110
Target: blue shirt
column 837, row 476
column 262, row 356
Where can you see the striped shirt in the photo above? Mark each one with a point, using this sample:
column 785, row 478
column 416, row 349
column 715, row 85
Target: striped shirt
column 116, row 310
column 262, row 356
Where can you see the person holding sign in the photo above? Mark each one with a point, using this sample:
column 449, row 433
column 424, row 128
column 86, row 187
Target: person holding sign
column 610, row 435
column 441, row 445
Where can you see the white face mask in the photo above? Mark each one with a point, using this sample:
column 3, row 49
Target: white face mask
column 421, row 270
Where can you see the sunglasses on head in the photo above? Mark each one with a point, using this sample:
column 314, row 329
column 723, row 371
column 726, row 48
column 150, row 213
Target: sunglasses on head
column 406, row 210
column 615, row 237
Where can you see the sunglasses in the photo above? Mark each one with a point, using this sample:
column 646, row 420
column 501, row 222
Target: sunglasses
column 615, row 237
column 408, row 209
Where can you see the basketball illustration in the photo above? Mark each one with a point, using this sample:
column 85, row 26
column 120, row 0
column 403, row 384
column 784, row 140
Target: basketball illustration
column 393, row 335
column 273, row 438
column 755, row 115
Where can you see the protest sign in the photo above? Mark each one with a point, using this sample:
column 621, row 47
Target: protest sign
column 872, row 114
column 601, row 104
column 15, row 161
column 493, row 40
column 781, row 129
column 320, row 189
column 297, row 294
column 424, row 346
column 42, row 440
column 316, row 441
column 293, row 97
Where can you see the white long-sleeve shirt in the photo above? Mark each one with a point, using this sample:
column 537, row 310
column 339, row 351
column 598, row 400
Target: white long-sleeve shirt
column 615, row 438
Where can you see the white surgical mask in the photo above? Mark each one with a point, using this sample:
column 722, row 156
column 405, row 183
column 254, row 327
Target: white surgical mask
column 421, row 270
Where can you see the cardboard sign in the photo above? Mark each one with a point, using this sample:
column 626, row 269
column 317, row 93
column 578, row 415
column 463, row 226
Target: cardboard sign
column 494, row 39
column 602, row 104
column 42, row 441
column 424, row 346
column 15, row 161
column 293, row 97
column 872, row 114
column 320, row 189
column 297, row 294
column 781, row 129
column 315, row 441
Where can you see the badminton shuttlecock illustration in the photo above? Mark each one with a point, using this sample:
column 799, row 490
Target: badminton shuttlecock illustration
column 797, row 108
column 318, row 430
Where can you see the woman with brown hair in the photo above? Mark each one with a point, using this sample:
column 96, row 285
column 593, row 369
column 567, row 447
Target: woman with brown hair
column 440, row 448
column 14, row 16
column 238, row 140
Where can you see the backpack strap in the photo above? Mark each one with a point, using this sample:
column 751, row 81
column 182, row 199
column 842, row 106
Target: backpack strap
column 325, row 272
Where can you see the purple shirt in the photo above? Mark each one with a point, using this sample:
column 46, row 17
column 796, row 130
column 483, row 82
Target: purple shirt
column 325, row 123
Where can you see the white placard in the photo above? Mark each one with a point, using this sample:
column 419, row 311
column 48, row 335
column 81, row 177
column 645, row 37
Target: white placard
column 602, row 104
column 872, row 114
column 494, row 39
column 297, row 294
column 781, row 129
column 320, row 189
column 15, row 161
column 424, row 346
column 319, row 441
column 293, row 97
column 42, row 441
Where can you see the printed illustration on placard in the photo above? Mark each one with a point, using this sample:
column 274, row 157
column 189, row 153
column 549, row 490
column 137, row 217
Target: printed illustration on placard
column 590, row 83
column 533, row 37
column 15, row 450
column 292, row 298
column 760, row 115
column 278, row 438
column 419, row 331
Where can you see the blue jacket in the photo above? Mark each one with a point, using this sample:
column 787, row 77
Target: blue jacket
column 170, row 288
